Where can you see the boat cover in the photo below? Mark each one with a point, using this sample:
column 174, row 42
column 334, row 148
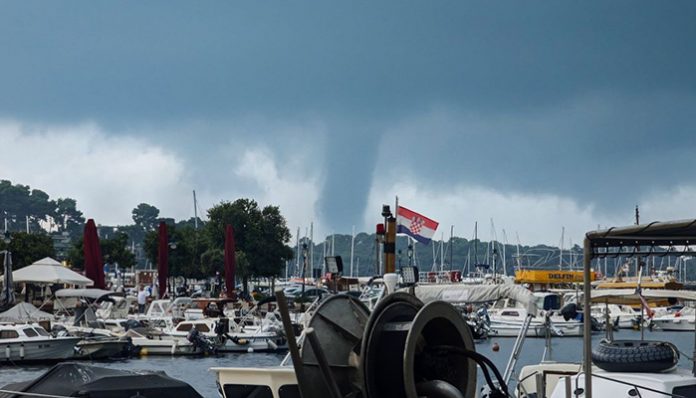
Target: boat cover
column 474, row 294
column 72, row 380
column 23, row 312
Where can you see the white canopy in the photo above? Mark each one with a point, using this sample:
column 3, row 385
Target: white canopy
column 461, row 293
column 23, row 312
column 48, row 270
column 93, row 294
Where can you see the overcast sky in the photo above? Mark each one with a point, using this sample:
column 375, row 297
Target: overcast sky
column 537, row 115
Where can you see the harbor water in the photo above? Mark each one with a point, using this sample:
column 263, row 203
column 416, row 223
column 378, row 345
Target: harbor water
column 195, row 370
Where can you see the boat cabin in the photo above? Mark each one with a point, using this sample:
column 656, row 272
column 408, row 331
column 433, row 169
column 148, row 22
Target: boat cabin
column 10, row 332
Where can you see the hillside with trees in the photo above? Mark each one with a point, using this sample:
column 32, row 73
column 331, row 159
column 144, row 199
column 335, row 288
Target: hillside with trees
column 263, row 241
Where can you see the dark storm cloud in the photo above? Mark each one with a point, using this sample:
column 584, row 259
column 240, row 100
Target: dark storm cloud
column 362, row 68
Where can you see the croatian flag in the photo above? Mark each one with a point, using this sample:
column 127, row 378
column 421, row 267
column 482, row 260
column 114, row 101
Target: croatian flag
column 415, row 225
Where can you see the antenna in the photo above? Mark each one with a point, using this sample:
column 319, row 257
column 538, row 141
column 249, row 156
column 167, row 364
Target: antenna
column 560, row 255
column 195, row 211
column 476, row 261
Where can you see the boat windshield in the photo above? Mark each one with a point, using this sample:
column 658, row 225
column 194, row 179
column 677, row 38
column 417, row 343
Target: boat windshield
column 30, row 332
column 42, row 332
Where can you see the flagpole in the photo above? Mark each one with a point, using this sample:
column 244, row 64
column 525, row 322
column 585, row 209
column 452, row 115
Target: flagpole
column 396, row 215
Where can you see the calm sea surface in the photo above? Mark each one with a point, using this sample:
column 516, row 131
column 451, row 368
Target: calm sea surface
column 195, row 371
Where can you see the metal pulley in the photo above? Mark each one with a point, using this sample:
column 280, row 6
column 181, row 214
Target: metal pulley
column 338, row 324
column 411, row 350
column 403, row 349
column 433, row 363
column 381, row 354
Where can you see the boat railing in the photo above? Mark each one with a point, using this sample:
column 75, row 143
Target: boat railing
column 636, row 387
column 440, row 276
column 541, row 383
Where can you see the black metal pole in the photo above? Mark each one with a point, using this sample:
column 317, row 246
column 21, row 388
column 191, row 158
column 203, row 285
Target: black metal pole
column 290, row 335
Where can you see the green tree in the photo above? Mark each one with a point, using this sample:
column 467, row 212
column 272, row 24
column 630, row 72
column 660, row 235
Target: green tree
column 114, row 251
column 28, row 248
column 68, row 218
column 184, row 250
column 213, row 261
column 261, row 234
column 145, row 216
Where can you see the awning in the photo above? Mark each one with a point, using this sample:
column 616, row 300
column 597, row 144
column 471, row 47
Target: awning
column 93, row 294
column 608, row 295
column 672, row 233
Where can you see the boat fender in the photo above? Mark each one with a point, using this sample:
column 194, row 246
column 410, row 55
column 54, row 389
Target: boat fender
column 635, row 356
column 238, row 341
column 174, row 345
column 21, row 351
column 272, row 345
column 250, row 350
column 7, row 352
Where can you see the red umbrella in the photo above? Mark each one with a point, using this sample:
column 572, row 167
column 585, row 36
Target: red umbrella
column 230, row 260
column 94, row 267
column 162, row 259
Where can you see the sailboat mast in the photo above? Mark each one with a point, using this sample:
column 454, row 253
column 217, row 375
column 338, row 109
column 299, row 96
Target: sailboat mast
column 297, row 257
column 450, row 247
column 352, row 250
column 560, row 256
column 505, row 242
column 311, row 245
column 476, row 261
column 195, row 211
column 442, row 252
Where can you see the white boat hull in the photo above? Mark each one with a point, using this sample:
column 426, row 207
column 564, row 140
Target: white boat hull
column 164, row 346
column 512, row 329
column 254, row 344
column 53, row 349
column 683, row 323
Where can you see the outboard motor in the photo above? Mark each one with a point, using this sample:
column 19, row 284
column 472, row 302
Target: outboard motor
column 201, row 342
column 569, row 311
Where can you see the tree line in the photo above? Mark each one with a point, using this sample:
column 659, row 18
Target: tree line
column 197, row 246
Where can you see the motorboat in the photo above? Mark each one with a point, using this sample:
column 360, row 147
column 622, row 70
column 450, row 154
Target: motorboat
column 103, row 347
column 31, row 342
column 682, row 320
column 621, row 316
column 76, row 379
column 631, row 368
column 227, row 336
column 507, row 316
column 275, row 382
column 162, row 344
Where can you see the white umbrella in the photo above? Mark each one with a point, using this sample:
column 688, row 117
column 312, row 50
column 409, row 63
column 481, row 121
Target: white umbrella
column 48, row 270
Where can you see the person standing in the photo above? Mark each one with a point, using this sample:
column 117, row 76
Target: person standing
column 142, row 299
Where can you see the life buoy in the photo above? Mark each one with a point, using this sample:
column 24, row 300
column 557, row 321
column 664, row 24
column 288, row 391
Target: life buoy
column 635, row 356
